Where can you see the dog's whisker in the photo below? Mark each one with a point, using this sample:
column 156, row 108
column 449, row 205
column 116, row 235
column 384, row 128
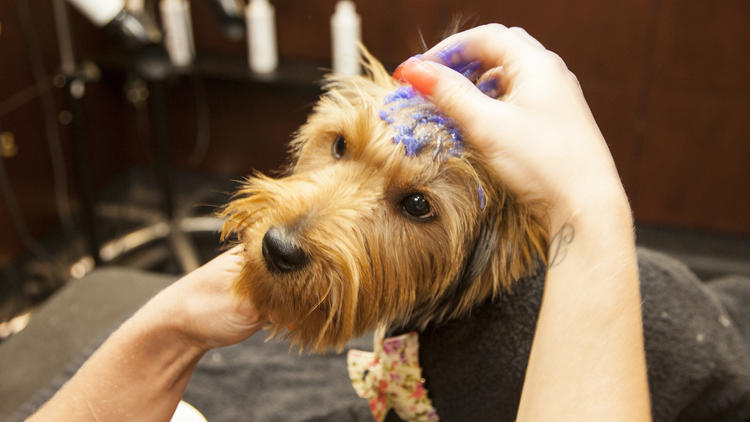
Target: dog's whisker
column 320, row 302
column 324, row 328
column 425, row 47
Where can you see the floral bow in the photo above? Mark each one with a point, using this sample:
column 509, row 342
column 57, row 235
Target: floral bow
column 391, row 378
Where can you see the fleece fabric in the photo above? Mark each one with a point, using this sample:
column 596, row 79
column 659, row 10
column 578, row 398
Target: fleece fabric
column 696, row 338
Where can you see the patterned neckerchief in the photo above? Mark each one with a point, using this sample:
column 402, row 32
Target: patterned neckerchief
column 391, row 378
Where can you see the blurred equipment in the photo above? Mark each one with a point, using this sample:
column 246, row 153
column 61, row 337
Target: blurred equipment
column 49, row 118
column 345, row 35
column 178, row 31
column 134, row 28
column 261, row 36
column 230, row 16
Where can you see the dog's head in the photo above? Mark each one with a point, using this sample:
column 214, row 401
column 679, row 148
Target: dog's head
column 386, row 217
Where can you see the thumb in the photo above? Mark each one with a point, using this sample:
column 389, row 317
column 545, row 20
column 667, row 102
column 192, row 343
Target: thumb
column 456, row 97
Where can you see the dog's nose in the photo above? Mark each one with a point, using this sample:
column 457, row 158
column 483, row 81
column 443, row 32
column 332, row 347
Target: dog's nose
column 281, row 253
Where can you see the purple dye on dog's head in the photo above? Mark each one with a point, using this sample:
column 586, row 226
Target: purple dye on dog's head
column 404, row 92
column 385, row 117
column 418, row 123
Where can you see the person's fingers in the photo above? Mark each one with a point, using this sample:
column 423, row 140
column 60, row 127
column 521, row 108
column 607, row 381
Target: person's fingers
column 485, row 46
column 221, row 270
column 493, row 83
column 526, row 36
column 480, row 50
column 459, row 99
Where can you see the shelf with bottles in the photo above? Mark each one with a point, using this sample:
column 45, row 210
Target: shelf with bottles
column 295, row 74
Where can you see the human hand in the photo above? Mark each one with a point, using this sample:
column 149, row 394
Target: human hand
column 202, row 307
column 538, row 135
column 142, row 369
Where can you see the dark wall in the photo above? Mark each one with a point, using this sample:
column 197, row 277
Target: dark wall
column 667, row 81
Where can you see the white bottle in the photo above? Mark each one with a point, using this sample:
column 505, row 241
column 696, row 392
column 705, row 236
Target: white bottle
column 345, row 36
column 136, row 6
column 101, row 12
column 261, row 36
column 178, row 31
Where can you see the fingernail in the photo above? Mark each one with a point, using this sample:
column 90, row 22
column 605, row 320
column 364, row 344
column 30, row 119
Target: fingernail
column 397, row 72
column 418, row 74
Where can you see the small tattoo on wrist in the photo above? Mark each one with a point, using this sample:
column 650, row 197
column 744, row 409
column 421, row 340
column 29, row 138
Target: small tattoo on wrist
column 558, row 245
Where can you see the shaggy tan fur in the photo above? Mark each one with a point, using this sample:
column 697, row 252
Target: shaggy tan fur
column 369, row 263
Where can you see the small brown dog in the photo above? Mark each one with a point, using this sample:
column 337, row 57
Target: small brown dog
column 386, row 217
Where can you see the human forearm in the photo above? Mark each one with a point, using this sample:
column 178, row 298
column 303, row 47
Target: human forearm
column 539, row 135
column 588, row 346
column 139, row 373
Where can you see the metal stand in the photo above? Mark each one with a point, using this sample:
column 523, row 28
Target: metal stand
column 152, row 64
column 74, row 89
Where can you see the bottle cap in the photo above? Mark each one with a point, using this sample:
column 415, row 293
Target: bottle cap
column 345, row 6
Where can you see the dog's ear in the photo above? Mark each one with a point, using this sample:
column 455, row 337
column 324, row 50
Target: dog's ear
column 510, row 243
column 516, row 237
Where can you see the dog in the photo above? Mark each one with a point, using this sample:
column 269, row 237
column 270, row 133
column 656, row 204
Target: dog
column 387, row 218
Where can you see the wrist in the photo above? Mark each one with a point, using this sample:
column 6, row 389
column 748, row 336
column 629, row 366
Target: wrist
column 605, row 205
column 592, row 230
column 167, row 325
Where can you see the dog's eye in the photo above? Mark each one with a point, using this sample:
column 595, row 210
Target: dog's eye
column 416, row 206
column 339, row 147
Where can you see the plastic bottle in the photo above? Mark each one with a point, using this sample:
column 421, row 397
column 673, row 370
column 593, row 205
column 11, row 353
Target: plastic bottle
column 178, row 31
column 101, row 12
column 345, row 36
column 261, row 36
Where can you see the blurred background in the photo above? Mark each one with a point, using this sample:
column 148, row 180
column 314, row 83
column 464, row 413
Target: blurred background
column 110, row 155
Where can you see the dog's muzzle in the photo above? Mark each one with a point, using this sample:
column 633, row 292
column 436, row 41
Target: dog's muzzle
column 281, row 252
